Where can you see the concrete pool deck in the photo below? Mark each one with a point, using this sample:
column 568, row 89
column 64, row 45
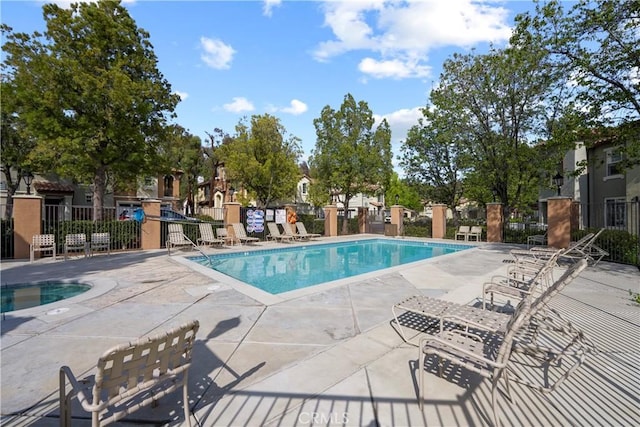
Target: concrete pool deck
column 327, row 357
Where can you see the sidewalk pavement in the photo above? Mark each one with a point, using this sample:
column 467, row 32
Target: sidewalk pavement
column 326, row 357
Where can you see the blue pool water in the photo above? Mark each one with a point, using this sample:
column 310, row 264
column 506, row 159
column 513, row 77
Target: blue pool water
column 26, row 295
column 286, row 269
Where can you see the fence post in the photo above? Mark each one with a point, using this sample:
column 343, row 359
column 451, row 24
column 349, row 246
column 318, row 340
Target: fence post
column 151, row 228
column 27, row 222
column 495, row 222
column 331, row 221
column 559, row 221
column 439, row 221
column 397, row 219
column 363, row 220
column 231, row 216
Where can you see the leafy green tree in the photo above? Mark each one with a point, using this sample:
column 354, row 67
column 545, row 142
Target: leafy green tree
column 16, row 144
column 433, row 156
column 186, row 154
column 407, row 194
column 349, row 156
column 500, row 104
column 89, row 92
column 263, row 159
column 596, row 42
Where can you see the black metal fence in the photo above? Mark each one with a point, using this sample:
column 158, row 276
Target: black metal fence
column 61, row 220
column 620, row 220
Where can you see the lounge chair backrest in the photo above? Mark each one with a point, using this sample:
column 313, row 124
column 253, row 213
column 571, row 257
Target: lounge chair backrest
column 273, row 229
column 287, row 229
column 464, row 229
column 239, row 230
column 302, row 229
column 156, row 365
column 476, row 229
column 206, row 231
column 567, row 277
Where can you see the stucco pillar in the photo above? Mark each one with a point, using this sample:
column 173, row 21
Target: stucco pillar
column 151, row 228
column 27, row 221
column 363, row 220
column 397, row 218
column 231, row 215
column 559, row 222
column 331, row 221
column 439, row 221
column 495, row 222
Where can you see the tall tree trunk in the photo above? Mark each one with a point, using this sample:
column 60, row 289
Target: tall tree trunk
column 99, row 188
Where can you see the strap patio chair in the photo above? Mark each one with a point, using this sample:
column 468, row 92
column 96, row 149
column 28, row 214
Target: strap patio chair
column 75, row 242
column 288, row 231
column 241, row 234
column 131, row 376
column 537, row 239
column 489, row 354
column 42, row 243
column 274, row 233
column 302, row 231
column 463, row 231
column 475, row 233
column 100, row 241
column 176, row 238
column 207, row 237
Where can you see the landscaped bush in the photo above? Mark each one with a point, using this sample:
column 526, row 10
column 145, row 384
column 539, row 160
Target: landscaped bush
column 123, row 234
column 311, row 223
column 419, row 228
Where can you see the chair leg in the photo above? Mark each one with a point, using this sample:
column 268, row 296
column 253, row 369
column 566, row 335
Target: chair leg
column 421, row 378
column 185, row 400
column 494, row 399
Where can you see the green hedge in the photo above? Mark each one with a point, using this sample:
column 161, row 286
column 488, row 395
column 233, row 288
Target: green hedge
column 123, row 234
column 623, row 247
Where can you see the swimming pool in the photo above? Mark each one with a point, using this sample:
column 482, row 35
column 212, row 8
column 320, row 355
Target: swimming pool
column 26, row 295
column 282, row 270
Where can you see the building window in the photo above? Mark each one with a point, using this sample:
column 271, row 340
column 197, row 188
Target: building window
column 613, row 163
column 168, row 186
column 615, row 213
column 88, row 197
column 304, row 188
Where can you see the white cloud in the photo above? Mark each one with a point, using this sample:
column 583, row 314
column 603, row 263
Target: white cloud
column 296, row 108
column 395, row 68
column 269, row 5
column 216, row 54
column 239, row 105
column 400, row 121
column 402, row 33
column 182, row 95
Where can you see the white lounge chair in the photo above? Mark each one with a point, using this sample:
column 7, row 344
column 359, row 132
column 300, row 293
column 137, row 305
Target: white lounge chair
column 302, row 231
column 100, row 241
column 488, row 354
column 288, row 231
column 274, row 233
column 241, row 234
column 222, row 233
column 75, row 242
column 42, row 243
column 475, row 233
column 206, row 235
column 463, row 231
column 537, row 239
column 177, row 238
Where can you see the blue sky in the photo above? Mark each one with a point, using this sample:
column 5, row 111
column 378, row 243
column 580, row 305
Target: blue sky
column 233, row 59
